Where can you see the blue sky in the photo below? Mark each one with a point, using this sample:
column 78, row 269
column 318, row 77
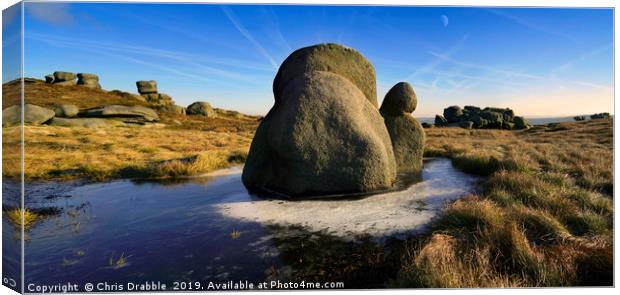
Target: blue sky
column 540, row 62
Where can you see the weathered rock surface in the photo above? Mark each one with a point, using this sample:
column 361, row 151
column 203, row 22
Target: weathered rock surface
column 440, row 120
column 400, row 100
column 406, row 133
column 201, row 108
column 120, row 111
column 146, row 87
column 66, row 111
column 334, row 58
column 84, row 122
column 129, row 96
column 33, row 114
column 88, row 80
column 323, row 135
column 49, row 79
column 453, row 114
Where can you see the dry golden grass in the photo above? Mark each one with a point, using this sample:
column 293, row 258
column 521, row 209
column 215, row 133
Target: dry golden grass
column 22, row 217
column 545, row 217
column 101, row 153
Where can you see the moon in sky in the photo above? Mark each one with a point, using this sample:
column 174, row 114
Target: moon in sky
column 444, row 19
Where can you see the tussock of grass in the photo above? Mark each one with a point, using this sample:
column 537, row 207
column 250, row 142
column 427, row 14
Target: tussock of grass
column 22, row 217
column 544, row 218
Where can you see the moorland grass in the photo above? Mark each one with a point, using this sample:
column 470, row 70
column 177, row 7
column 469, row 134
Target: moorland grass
column 544, row 217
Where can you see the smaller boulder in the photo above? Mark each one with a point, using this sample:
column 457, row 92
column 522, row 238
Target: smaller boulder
column 66, row 111
column 49, row 79
column 146, row 87
column 401, row 99
column 174, row 109
column 521, row 123
column 440, row 120
column 579, row 118
column 427, row 125
column 202, row 108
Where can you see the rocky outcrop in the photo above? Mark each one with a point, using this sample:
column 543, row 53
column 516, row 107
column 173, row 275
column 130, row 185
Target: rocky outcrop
column 406, row 133
column 579, row 118
column 174, row 109
column 472, row 117
column 200, row 108
column 324, row 135
column 138, row 113
column 88, row 80
column 63, row 78
column 66, row 111
column 33, row 114
column 148, row 90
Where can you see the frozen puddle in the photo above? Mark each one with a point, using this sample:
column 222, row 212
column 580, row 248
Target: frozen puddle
column 378, row 215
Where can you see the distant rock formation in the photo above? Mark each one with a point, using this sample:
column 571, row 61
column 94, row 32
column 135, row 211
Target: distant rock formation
column 579, row 118
column 600, row 116
column 474, row 117
column 324, row 134
column 63, row 78
column 406, row 133
column 88, row 80
column 201, row 108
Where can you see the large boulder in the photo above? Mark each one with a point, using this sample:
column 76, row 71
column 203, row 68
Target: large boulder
column 33, row 114
column 120, row 111
column 88, row 80
column 174, row 109
column 146, row 87
column 453, row 114
column 406, row 133
column 323, row 136
column 493, row 119
column 201, row 108
column 334, row 58
column 66, row 110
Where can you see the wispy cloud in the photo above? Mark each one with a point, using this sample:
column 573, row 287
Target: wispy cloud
column 437, row 61
column 571, row 63
column 532, row 24
column 196, row 69
column 508, row 73
column 233, row 19
column 274, row 32
column 53, row 13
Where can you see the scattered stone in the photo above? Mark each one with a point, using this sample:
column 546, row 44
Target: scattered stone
column 406, row 133
column 334, row 58
column 324, row 135
column 33, row 114
column 427, row 125
column 88, row 80
column 120, row 111
column 146, row 87
column 84, row 122
column 201, row 108
column 66, row 111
